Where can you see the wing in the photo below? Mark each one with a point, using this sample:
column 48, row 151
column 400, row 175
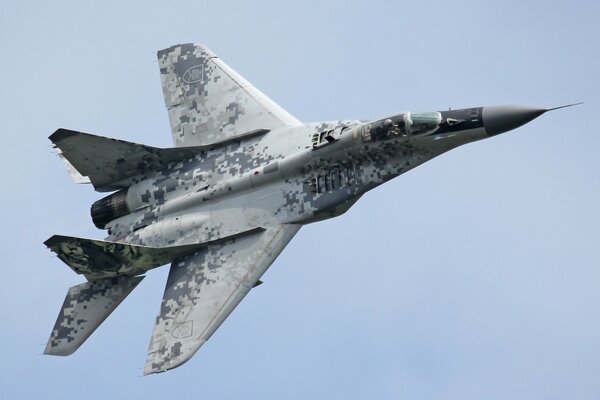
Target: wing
column 208, row 102
column 202, row 290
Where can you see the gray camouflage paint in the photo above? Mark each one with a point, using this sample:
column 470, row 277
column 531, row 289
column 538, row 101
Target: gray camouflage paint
column 243, row 179
column 201, row 286
column 85, row 307
column 98, row 259
column 204, row 106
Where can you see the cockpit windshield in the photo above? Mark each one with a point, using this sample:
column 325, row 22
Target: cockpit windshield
column 423, row 122
column 402, row 125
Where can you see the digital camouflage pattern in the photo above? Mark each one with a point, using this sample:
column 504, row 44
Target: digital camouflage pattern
column 220, row 206
column 202, row 286
column 98, row 259
column 208, row 102
column 85, row 307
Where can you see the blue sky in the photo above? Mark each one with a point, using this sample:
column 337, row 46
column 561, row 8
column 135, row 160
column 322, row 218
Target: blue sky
column 476, row 275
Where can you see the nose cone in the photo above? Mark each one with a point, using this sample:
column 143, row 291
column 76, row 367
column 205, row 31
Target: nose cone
column 499, row 119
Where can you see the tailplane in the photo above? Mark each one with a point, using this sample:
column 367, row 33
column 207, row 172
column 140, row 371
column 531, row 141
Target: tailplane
column 98, row 259
column 112, row 270
column 111, row 164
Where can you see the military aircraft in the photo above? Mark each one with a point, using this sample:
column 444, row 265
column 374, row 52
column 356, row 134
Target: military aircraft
column 221, row 205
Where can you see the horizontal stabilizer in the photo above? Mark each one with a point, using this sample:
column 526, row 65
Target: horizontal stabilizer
column 85, row 307
column 111, row 164
column 97, row 259
column 101, row 259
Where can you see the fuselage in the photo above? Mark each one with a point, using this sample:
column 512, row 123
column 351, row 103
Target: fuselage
column 221, row 205
column 293, row 175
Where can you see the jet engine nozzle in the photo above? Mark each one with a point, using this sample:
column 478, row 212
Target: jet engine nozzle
column 109, row 208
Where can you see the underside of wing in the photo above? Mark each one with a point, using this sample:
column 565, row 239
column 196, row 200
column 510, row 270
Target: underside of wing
column 208, row 102
column 204, row 287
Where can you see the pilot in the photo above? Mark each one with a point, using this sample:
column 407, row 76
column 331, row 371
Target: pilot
column 382, row 130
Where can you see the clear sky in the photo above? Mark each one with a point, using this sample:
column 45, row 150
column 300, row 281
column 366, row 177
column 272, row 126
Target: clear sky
column 474, row 276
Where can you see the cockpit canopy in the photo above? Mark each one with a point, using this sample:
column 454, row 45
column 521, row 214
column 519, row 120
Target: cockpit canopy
column 402, row 125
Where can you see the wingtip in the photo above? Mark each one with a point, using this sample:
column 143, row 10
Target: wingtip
column 166, row 363
column 153, row 371
column 185, row 48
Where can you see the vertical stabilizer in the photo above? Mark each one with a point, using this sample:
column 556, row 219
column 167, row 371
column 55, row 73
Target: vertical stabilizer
column 85, row 307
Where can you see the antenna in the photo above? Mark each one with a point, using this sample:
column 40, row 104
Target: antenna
column 565, row 106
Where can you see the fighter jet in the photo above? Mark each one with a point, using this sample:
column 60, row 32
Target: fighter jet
column 243, row 178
